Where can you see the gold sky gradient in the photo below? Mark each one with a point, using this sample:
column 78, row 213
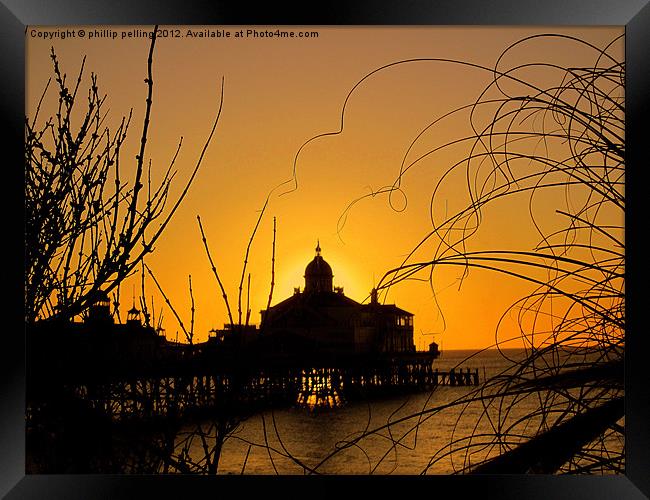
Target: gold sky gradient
column 278, row 94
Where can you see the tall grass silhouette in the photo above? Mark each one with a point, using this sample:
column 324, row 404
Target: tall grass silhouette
column 549, row 136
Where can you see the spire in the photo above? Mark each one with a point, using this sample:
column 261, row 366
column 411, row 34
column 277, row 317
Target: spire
column 133, row 314
column 318, row 247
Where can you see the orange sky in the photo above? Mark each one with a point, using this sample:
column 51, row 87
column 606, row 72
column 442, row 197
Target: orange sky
column 279, row 93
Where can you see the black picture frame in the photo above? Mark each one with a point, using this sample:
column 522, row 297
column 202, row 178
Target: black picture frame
column 15, row 15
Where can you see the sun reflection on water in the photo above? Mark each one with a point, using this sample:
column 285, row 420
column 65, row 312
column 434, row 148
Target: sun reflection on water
column 319, row 390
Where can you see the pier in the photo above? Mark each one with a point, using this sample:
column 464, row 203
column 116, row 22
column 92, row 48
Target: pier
column 194, row 380
column 147, row 397
column 128, row 373
column 316, row 348
column 135, row 391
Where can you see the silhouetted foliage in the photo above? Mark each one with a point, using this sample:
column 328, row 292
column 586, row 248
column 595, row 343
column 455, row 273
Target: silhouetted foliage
column 87, row 227
column 550, row 136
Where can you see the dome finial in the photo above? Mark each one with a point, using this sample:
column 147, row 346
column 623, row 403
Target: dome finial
column 318, row 247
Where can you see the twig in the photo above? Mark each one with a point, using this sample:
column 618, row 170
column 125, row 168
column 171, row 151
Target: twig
column 178, row 318
column 214, row 270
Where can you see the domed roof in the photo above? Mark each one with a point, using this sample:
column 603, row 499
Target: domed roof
column 318, row 274
column 318, row 266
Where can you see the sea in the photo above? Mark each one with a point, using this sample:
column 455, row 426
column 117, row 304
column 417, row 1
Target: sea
column 423, row 433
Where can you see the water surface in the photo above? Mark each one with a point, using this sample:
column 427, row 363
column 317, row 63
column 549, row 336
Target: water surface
column 406, row 433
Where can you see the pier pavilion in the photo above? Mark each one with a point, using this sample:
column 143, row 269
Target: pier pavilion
column 321, row 317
